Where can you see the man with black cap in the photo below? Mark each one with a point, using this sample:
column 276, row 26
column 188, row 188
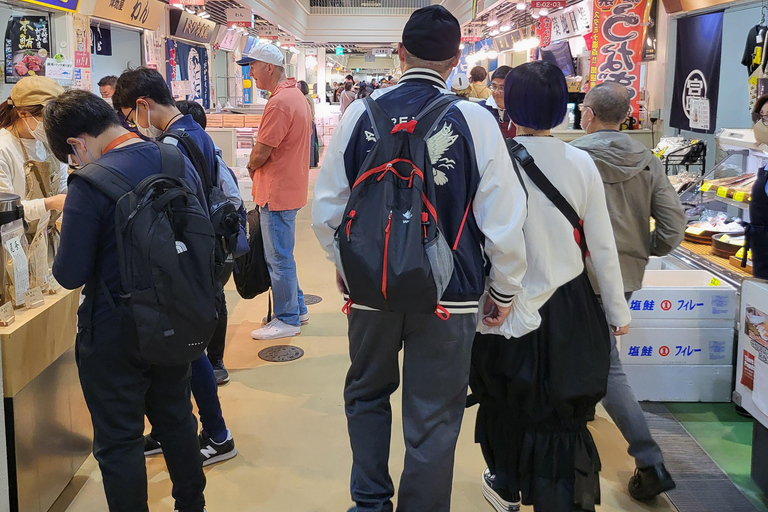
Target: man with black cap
column 481, row 207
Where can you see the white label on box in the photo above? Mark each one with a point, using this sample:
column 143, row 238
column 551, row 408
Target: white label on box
column 712, row 302
column 677, row 346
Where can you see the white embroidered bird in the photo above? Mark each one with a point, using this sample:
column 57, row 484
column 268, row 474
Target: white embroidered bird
column 437, row 145
column 370, row 137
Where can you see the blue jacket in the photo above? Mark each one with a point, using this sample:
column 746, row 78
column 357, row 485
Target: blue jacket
column 473, row 174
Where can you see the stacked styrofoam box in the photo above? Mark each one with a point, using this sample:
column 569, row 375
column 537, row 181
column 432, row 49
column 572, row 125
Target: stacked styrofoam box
column 680, row 343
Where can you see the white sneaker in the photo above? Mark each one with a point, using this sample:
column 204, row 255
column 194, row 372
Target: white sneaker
column 304, row 319
column 274, row 330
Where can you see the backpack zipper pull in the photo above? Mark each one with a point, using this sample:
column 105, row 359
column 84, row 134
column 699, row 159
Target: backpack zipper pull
column 351, row 217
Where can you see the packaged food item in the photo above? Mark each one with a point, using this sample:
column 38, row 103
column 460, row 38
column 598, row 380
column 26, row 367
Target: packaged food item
column 16, row 273
column 38, row 255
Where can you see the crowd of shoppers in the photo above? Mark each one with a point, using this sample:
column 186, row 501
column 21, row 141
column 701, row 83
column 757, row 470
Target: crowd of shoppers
column 547, row 242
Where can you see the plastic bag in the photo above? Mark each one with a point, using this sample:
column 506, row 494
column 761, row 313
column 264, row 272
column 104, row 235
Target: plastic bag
column 38, row 255
column 15, row 264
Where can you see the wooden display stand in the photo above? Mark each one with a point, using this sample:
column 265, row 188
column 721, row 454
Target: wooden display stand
column 49, row 433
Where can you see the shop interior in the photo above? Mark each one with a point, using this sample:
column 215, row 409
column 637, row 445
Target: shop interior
column 697, row 353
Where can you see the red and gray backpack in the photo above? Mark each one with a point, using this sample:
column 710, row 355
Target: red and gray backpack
column 390, row 251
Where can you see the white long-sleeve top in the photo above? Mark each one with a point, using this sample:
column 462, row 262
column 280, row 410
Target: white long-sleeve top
column 12, row 178
column 554, row 258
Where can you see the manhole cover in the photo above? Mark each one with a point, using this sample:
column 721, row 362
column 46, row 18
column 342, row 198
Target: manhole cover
column 281, row 353
column 310, row 300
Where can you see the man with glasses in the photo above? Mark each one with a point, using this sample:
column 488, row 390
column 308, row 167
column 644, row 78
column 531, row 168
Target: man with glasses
column 636, row 189
column 495, row 104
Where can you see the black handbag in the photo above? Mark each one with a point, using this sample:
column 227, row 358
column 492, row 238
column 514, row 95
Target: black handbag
column 250, row 272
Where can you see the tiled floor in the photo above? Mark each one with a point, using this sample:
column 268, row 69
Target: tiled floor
column 289, row 425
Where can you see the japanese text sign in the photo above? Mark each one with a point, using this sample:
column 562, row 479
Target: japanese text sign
column 544, row 31
column 571, row 22
column 191, row 27
column 239, row 18
column 617, row 45
column 548, row 4
column 27, row 47
column 137, row 13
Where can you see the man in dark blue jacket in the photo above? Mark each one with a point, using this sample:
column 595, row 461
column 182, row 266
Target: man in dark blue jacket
column 119, row 387
column 481, row 207
column 146, row 101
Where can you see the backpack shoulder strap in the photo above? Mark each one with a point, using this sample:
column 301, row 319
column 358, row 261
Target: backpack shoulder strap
column 382, row 124
column 171, row 160
column 430, row 117
column 106, row 180
column 519, row 152
column 195, row 155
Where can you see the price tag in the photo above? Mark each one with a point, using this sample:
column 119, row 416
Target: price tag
column 725, row 239
column 694, row 231
column 714, row 282
column 34, row 298
column 706, row 186
column 722, row 192
column 7, row 316
column 740, row 253
column 52, row 284
column 739, row 197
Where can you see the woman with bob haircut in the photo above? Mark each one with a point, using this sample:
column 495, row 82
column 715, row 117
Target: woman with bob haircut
column 538, row 376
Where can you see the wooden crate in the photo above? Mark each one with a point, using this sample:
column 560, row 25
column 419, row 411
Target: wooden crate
column 252, row 121
column 233, row 121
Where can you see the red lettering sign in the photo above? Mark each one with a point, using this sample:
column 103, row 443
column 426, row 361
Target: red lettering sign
column 547, row 4
column 748, row 371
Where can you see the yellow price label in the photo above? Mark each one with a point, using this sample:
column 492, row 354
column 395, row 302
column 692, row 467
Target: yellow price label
column 739, row 196
column 714, row 282
column 722, row 192
column 706, row 186
column 740, row 253
column 694, row 231
column 725, row 239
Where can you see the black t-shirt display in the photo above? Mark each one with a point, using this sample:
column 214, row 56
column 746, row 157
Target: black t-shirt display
column 753, row 47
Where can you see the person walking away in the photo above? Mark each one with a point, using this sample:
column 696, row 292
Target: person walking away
column 535, row 391
column 495, row 103
column 146, row 101
column 479, row 209
column 28, row 168
column 347, row 97
column 478, row 91
column 279, row 167
column 313, row 148
column 636, row 189
column 119, row 385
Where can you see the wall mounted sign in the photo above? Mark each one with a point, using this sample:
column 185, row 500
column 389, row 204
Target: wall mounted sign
column 504, row 42
column 573, row 21
column 61, row 5
column 191, row 27
column 548, row 4
column 62, row 71
column 268, row 31
column 82, row 41
column 27, row 47
column 136, row 13
column 544, row 31
column 239, row 18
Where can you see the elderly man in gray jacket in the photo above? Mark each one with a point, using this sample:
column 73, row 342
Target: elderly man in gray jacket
column 636, row 189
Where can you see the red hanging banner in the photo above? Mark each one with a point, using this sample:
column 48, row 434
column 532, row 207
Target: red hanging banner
column 617, row 45
column 544, row 31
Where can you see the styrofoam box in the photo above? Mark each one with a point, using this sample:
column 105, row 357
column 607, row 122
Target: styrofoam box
column 672, row 296
column 677, row 346
column 680, row 383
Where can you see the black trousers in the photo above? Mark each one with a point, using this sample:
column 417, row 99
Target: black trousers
column 119, row 389
column 215, row 349
column 436, row 363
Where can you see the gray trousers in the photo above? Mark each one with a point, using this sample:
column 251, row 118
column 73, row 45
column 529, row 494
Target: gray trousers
column 436, row 363
column 622, row 407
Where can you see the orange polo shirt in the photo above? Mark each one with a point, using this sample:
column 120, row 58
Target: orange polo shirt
column 286, row 127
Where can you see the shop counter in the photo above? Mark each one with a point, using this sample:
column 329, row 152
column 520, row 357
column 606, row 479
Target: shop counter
column 48, row 428
column 646, row 137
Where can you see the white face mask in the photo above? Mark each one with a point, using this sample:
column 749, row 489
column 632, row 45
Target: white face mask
column 150, row 131
column 39, row 131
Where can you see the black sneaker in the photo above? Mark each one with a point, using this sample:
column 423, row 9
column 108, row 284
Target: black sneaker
column 221, row 373
column 213, row 452
column 501, row 500
column 650, row 482
column 151, row 447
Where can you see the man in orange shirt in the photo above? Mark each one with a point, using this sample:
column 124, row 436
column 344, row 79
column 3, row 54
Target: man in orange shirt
column 279, row 167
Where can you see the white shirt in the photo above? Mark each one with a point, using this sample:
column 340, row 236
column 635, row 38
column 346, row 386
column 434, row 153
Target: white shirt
column 554, row 258
column 12, row 178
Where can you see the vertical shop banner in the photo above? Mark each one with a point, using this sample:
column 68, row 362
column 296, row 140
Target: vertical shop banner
column 544, row 31
column 82, row 70
column 617, row 45
column 572, row 21
column 190, row 64
column 27, row 47
column 649, row 41
column 154, row 53
column 697, row 72
column 101, row 41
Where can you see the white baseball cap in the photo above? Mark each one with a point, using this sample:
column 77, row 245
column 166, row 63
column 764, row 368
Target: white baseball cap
column 268, row 53
column 459, row 82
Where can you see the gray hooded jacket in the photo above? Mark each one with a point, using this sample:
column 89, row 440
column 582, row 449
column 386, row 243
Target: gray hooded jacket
column 636, row 189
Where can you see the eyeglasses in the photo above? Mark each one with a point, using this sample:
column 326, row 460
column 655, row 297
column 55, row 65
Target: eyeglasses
column 496, row 88
column 764, row 119
column 583, row 108
column 131, row 123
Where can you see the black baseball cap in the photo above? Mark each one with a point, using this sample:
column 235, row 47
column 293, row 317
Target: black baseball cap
column 432, row 33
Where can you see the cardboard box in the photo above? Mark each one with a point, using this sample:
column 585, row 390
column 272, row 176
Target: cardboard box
column 233, row 121
column 680, row 383
column 215, row 121
column 252, row 120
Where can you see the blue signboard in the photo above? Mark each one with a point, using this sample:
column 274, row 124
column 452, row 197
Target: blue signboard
column 339, row 50
column 62, row 5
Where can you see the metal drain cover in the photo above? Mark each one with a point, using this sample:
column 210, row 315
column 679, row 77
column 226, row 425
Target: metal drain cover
column 281, row 353
column 311, row 300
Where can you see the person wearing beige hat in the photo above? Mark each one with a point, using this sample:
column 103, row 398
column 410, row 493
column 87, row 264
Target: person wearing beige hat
column 27, row 165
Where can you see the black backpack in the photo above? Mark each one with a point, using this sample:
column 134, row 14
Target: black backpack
column 223, row 214
column 392, row 254
column 165, row 248
column 251, row 273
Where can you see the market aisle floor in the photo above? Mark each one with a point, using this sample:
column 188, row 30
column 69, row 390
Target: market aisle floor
column 289, row 427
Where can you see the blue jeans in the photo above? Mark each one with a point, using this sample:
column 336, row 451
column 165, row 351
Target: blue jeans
column 279, row 232
column 206, row 393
